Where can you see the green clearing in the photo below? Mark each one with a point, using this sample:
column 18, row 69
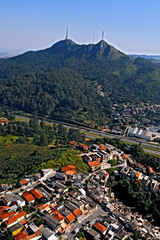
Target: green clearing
column 17, row 160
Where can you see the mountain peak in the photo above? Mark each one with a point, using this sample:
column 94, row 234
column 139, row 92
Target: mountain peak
column 68, row 47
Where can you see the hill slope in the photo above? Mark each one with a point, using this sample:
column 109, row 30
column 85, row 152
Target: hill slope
column 122, row 78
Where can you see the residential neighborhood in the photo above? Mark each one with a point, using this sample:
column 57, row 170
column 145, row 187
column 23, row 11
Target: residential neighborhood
column 64, row 204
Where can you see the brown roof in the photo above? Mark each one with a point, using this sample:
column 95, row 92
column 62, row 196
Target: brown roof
column 20, row 235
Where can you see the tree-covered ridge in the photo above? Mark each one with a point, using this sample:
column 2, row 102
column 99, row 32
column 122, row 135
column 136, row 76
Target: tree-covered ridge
column 74, row 71
column 61, row 94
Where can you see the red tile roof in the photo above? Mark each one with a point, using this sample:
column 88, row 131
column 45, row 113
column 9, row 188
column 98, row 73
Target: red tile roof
column 5, row 215
column 94, row 163
column 15, row 218
column 84, row 146
column 138, row 174
column 71, row 217
column 150, row 169
column 36, row 193
column 67, row 168
column 100, row 227
column 107, row 173
column 57, row 215
column 44, row 206
column 73, row 142
column 28, row 197
column 23, row 181
column 77, row 212
column 70, row 172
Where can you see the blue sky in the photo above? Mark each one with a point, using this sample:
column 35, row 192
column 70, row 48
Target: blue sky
column 130, row 25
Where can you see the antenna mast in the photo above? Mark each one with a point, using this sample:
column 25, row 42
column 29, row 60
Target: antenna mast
column 67, row 32
column 103, row 35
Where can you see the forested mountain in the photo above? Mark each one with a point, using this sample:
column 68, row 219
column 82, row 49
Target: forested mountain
column 61, row 81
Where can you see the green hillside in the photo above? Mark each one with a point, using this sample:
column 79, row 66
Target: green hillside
column 61, row 81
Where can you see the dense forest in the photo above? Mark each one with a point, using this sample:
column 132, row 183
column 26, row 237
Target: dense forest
column 61, row 81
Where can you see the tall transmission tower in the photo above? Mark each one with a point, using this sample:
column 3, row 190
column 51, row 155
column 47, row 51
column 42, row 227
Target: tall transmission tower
column 103, row 35
column 67, row 32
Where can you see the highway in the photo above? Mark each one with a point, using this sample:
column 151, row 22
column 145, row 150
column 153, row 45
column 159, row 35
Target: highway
column 102, row 134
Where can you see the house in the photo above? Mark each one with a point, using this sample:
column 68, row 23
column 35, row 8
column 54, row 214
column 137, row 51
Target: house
column 8, row 199
column 92, row 234
column 51, row 222
column 28, row 198
column 100, row 227
column 70, row 218
column 73, row 144
column 77, row 213
column 5, row 215
column 69, row 170
column 4, row 121
column 15, row 219
column 61, row 187
column 83, row 147
column 47, row 234
column 150, row 170
column 36, row 193
column 20, row 235
column 94, row 165
column 15, row 229
column 23, row 182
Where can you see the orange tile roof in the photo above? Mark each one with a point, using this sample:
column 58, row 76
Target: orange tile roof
column 5, row 215
column 28, row 197
column 36, row 193
column 23, row 181
column 102, row 147
column 150, row 169
column 94, row 163
column 23, row 221
column 44, row 206
column 57, row 215
column 39, row 205
column 77, row 212
column 33, row 236
column 15, row 218
column 20, row 235
column 73, row 142
column 70, row 172
column 100, row 227
column 139, row 165
column 3, row 208
column 68, row 167
column 138, row 174
column 107, row 173
column 71, row 217
column 84, row 146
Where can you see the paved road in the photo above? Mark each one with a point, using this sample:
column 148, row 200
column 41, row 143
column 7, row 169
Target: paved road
column 98, row 133
column 88, row 218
